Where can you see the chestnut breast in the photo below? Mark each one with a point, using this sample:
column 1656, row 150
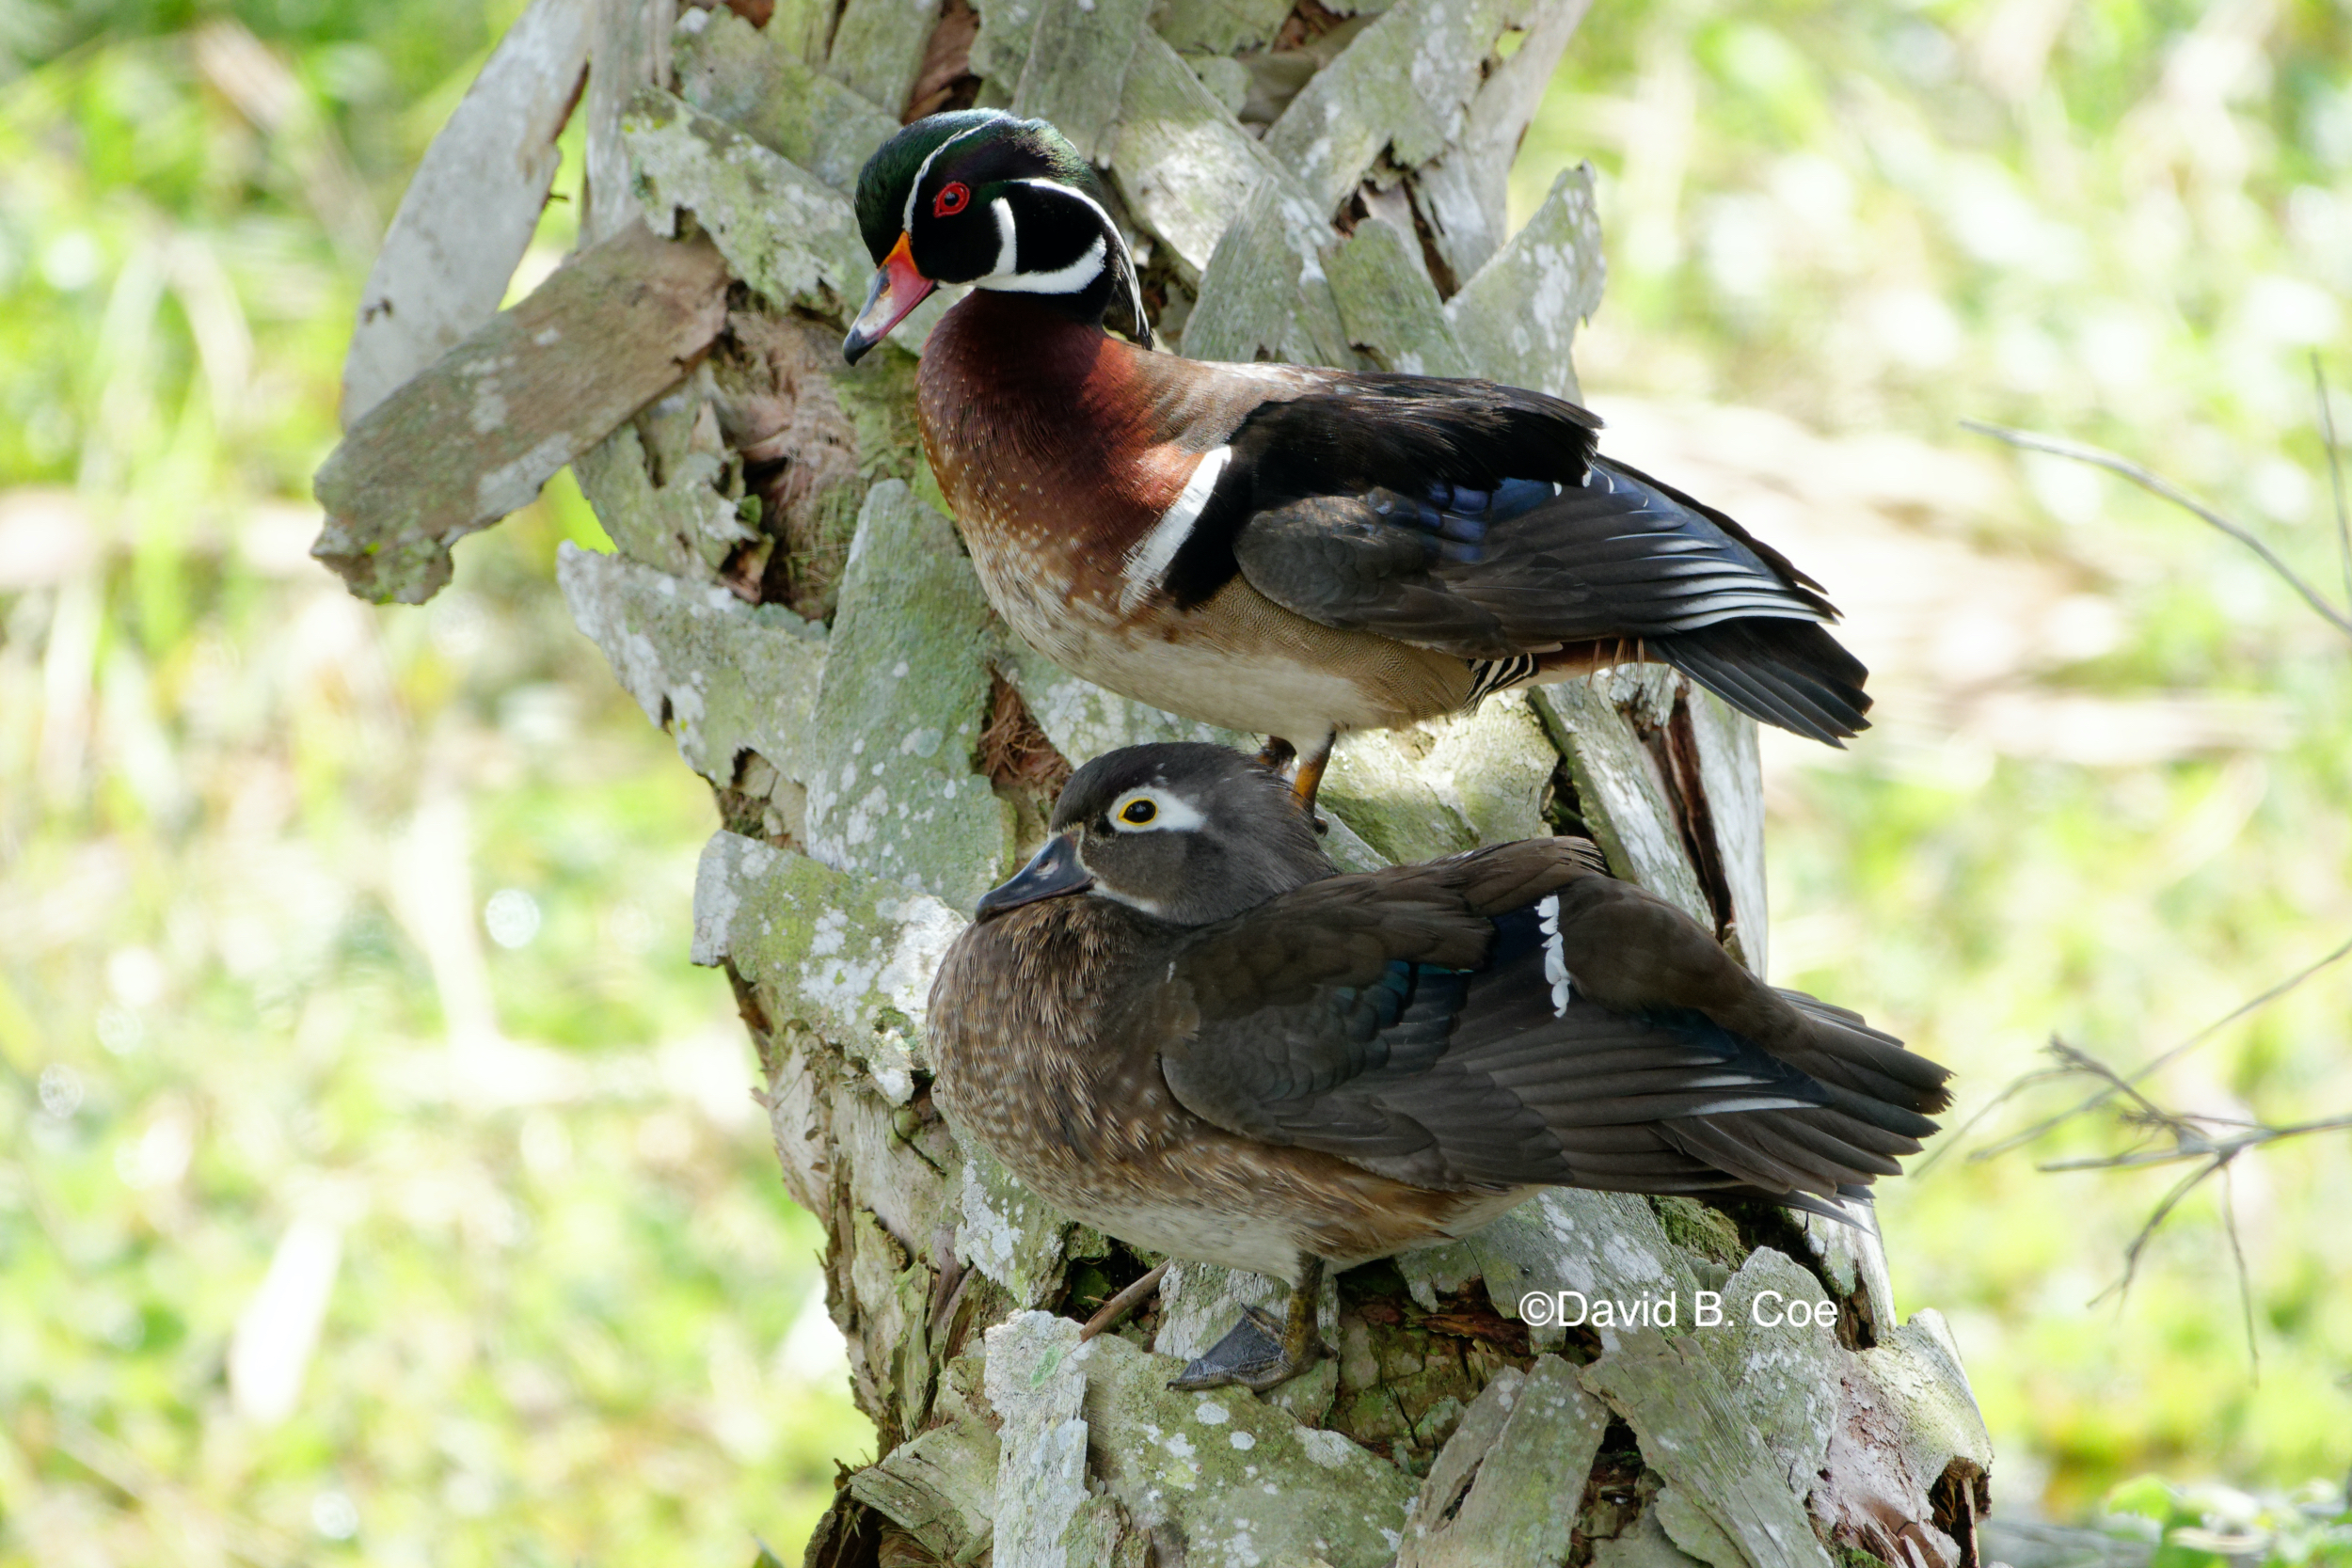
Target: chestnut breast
column 1059, row 446
column 1060, row 449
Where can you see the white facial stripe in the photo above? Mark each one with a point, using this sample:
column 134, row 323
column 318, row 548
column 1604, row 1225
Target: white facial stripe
column 1134, row 290
column 1075, row 195
column 1061, row 280
column 1555, row 961
column 1148, row 562
column 924, row 173
column 1008, row 242
column 1170, row 814
column 1008, row 279
column 1134, row 297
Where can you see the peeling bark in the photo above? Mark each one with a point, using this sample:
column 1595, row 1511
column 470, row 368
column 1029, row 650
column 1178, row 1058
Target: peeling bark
column 471, row 209
column 791, row 604
column 473, row 438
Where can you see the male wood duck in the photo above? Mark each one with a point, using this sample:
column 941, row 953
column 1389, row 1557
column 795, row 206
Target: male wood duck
column 1281, row 550
column 1178, row 1024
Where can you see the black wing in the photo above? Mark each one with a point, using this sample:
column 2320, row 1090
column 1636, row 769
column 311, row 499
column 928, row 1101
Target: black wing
column 1408, row 1022
column 1475, row 518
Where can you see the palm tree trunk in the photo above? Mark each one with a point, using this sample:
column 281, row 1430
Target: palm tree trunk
column 1595, row 1377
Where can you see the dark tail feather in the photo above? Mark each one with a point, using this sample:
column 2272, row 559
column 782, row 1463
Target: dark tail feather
column 1793, row 673
column 1844, row 1052
column 1877, row 1094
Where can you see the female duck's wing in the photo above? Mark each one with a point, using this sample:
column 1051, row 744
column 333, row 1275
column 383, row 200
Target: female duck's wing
column 1475, row 518
column 1421, row 1022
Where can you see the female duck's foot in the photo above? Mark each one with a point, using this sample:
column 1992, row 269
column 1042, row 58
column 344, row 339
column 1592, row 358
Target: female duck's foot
column 1250, row 1353
column 1258, row 1352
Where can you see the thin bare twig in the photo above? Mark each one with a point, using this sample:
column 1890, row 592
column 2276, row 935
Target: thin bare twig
column 2200, row 1138
column 2083, row 1061
column 2014, row 1087
column 2335, row 472
column 2245, row 1281
column 2191, row 1140
column 1126, row 1301
column 2155, row 484
column 2201, row 1037
column 2181, row 1189
column 2194, row 1147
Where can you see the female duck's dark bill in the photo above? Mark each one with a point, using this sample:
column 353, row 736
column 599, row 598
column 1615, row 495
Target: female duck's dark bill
column 1051, row 872
column 898, row 289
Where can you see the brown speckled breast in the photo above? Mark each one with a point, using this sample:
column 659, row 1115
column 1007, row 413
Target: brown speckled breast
column 1086, row 1121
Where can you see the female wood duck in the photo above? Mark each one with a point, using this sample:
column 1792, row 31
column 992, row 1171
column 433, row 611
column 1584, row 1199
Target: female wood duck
column 1287, row 551
column 1180, row 1025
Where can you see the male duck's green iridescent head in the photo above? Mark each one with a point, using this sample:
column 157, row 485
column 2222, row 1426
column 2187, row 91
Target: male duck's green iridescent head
column 1185, row 832
column 977, row 197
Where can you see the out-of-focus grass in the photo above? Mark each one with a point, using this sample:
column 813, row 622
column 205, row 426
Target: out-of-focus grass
column 2129, row 223
column 376, row 1178
column 261, row 848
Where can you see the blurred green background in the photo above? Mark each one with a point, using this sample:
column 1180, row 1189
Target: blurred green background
column 376, row 1178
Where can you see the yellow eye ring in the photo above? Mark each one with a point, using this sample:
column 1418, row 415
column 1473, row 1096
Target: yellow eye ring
column 1136, row 813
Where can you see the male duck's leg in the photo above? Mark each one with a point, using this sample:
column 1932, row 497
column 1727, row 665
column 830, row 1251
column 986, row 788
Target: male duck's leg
column 1258, row 1352
column 1308, row 779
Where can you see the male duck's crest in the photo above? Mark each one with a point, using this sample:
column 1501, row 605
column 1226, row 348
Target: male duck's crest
column 977, row 197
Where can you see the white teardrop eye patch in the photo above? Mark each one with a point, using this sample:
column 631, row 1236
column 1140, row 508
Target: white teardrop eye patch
column 1153, row 810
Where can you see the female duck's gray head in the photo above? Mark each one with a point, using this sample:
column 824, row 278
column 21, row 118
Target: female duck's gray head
column 1186, row 833
column 977, row 197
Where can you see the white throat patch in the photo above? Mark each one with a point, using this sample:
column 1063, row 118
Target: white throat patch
column 1061, row 280
column 1008, row 239
column 1073, row 278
